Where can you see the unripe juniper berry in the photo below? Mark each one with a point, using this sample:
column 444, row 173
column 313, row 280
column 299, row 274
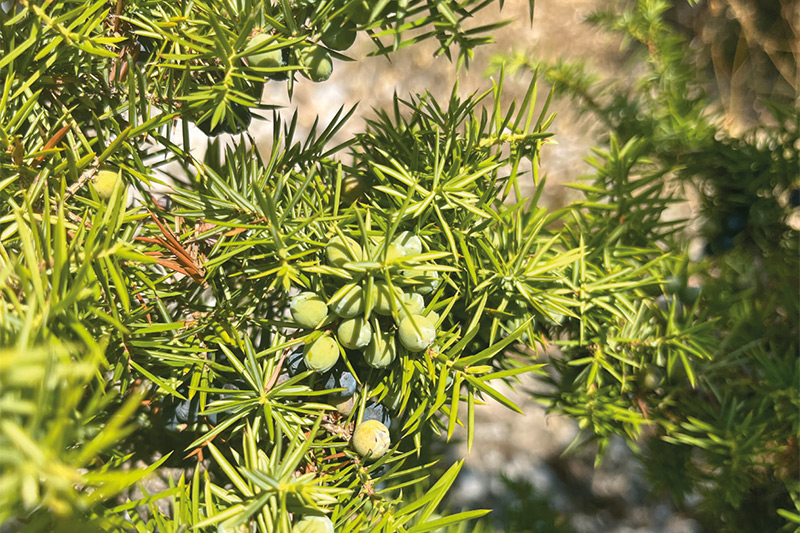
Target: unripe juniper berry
column 321, row 354
column 381, row 350
column 414, row 304
column 416, row 333
column 313, row 524
column 263, row 59
column 351, row 304
column 338, row 253
column 308, row 310
column 383, row 298
column 412, row 245
column 340, row 35
column 371, row 439
column 105, row 181
column 354, row 333
column 318, row 62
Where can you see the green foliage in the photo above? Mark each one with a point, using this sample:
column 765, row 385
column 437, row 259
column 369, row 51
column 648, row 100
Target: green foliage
column 697, row 364
column 160, row 333
column 529, row 512
column 169, row 334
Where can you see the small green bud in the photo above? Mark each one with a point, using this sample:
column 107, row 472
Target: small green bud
column 371, row 438
column 321, row 354
column 308, row 309
column 416, row 333
column 314, row 524
column 354, row 333
column 338, row 253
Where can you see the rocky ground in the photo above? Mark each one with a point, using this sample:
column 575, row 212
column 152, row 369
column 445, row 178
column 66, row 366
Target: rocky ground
column 547, row 487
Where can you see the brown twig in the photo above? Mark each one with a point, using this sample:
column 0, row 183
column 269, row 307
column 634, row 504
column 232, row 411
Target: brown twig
column 86, row 175
column 117, row 14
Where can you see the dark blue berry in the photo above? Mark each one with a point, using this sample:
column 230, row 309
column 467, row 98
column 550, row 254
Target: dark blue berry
column 690, row 294
column 341, row 380
column 794, row 197
column 186, row 411
column 170, row 421
column 725, row 243
column 734, row 225
column 376, row 411
column 674, row 285
column 667, row 302
column 175, row 413
column 235, row 386
column 178, row 412
column 294, row 363
column 165, row 202
column 720, row 245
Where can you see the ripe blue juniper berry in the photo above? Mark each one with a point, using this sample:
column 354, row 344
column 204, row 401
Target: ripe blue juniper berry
column 292, row 365
column 734, row 224
column 719, row 245
column 177, row 414
column 341, row 380
column 376, row 411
